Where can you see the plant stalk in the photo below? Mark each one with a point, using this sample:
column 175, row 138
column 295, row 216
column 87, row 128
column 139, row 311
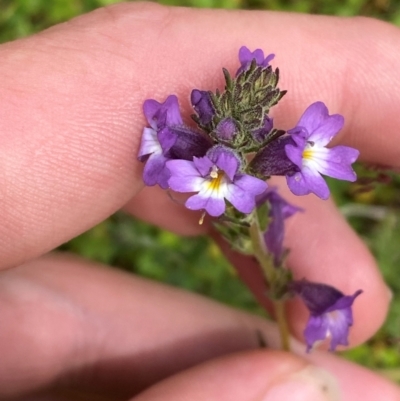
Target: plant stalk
column 261, row 254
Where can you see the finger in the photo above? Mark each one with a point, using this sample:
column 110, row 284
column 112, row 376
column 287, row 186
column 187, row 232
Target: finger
column 71, row 325
column 71, row 101
column 75, row 329
column 251, row 376
column 78, row 131
column 273, row 376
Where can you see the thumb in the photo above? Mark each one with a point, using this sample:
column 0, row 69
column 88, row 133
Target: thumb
column 273, row 376
column 251, row 376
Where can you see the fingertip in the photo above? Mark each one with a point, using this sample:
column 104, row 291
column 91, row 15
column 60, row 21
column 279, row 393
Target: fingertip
column 356, row 382
column 244, row 376
column 273, row 376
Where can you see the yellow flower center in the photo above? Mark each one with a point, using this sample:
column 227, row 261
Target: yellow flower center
column 217, row 176
column 308, row 151
column 308, row 154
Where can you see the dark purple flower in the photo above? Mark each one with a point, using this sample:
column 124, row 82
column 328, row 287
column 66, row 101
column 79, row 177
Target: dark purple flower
column 330, row 313
column 167, row 139
column 279, row 211
column 312, row 133
column 246, row 57
column 202, row 104
column 183, row 143
column 272, row 159
column 215, row 177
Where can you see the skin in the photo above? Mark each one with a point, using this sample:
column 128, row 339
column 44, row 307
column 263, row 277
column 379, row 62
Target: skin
column 71, row 121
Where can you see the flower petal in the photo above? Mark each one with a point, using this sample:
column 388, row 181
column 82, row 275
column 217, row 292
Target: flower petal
column 166, row 138
column 299, row 135
column 203, row 165
column 337, row 162
column 279, row 211
column 328, row 130
column 149, row 144
column 242, row 193
column 307, row 181
column 202, row 104
column 225, row 159
column 246, row 57
column 274, row 235
column 213, row 206
column 339, row 323
column 345, row 301
column 320, row 125
column 316, row 183
column 156, row 172
column 250, row 184
column 297, row 184
column 185, row 177
column 159, row 115
column 304, row 183
column 316, row 330
column 294, row 154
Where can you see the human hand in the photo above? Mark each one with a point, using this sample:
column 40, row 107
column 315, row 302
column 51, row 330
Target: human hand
column 71, row 121
column 76, row 331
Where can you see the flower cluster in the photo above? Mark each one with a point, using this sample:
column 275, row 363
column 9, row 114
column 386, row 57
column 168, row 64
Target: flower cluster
column 224, row 162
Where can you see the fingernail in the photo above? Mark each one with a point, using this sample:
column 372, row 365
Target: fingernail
column 308, row 384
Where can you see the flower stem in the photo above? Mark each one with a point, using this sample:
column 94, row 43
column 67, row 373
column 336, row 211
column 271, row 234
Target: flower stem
column 282, row 324
column 270, row 273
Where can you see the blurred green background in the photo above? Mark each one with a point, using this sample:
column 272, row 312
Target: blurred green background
column 196, row 263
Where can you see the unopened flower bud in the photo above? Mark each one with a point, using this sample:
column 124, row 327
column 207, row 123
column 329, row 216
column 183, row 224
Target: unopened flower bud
column 201, row 103
column 226, row 129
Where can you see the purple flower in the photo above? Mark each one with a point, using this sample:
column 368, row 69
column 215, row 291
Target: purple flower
column 215, row 177
column 166, row 138
column 246, row 57
column 279, row 211
column 312, row 133
column 202, row 104
column 150, row 151
column 330, row 313
column 159, row 116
